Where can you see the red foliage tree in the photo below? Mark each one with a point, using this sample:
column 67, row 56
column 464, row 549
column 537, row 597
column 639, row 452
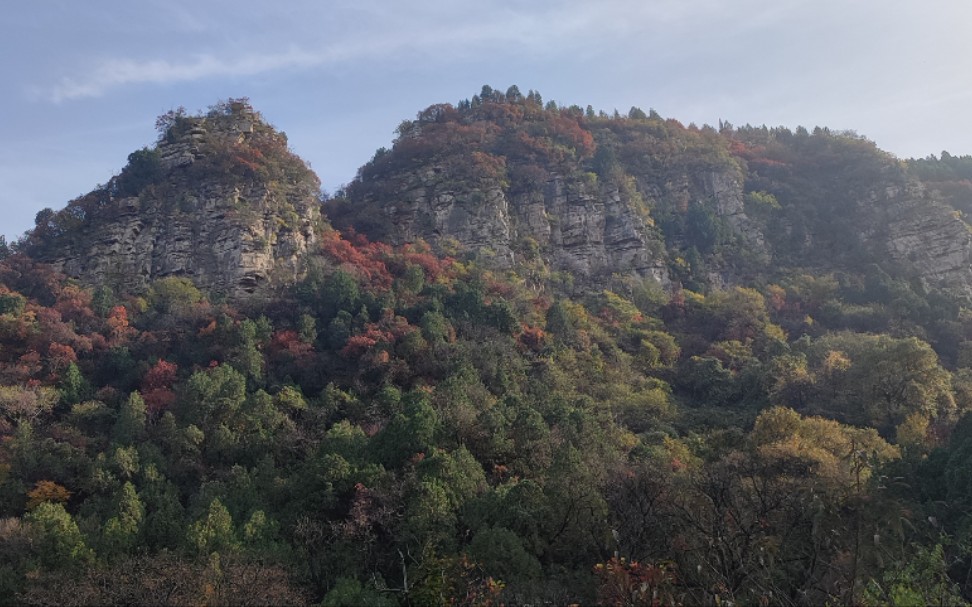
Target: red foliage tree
column 532, row 338
column 363, row 260
column 156, row 386
column 119, row 331
column 59, row 356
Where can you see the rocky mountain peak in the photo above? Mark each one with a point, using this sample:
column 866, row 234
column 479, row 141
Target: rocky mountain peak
column 590, row 200
column 219, row 199
column 566, row 198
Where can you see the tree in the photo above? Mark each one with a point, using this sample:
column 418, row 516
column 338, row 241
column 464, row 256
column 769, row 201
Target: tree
column 407, row 433
column 47, row 491
column 213, row 531
column 501, row 554
column 878, row 380
column 157, row 385
column 339, row 292
column 25, row 405
column 786, row 511
column 56, row 540
column 121, row 531
column 173, row 295
column 922, row 580
column 130, row 426
column 143, row 169
column 836, row 462
column 213, row 396
column 73, row 385
column 349, row 591
column 164, row 527
column 165, row 123
column 634, row 584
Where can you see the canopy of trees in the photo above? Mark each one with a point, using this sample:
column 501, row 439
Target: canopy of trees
column 402, row 427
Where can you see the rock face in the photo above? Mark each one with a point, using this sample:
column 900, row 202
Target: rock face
column 727, row 193
column 928, row 237
column 595, row 232
column 570, row 198
column 214, row 245
column 211, row 214
column 222, row 201
column 576, row 226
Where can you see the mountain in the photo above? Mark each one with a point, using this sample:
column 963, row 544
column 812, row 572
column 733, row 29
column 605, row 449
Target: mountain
column 593, row 196
column 568, row 198
column 532, row 354
column 219, row 200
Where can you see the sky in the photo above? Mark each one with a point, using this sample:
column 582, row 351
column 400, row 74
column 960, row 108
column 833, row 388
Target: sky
column 84, row 81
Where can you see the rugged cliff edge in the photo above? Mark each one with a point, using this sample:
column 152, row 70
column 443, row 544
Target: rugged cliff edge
column 929, row 237
column 573, row 225
column 219, row 200
column 562, row 196
column 562, row 192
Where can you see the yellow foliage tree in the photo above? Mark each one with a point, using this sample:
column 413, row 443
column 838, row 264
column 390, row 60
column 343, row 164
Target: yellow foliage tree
column 47, row 491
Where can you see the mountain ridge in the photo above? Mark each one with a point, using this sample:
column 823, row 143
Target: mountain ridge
column 542, row 356
column 570, row 198
column 648, row 197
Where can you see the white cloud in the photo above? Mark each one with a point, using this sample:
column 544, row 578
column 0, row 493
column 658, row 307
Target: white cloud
column 121, row 72
column 432, row 27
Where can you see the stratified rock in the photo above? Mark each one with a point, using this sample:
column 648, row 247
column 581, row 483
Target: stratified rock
column 230, row 208
column 555, row 195
column 579, row 227
column 928, row 237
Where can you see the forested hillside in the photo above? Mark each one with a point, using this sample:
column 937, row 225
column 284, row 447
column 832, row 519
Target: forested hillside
column 532, row 354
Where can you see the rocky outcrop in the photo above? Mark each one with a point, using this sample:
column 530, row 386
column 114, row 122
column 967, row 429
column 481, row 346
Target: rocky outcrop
column 229, row 225
column 220, row 200
column 477, row 218
column 592, row 231
column 927, row 237
column 578, row 227
column 215, row 245
column 726, row 191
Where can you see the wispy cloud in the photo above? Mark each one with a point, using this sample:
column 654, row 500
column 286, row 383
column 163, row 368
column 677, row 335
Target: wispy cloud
column 425, row 29
column 116, row 73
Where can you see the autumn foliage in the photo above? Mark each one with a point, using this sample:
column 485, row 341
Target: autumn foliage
column 413, row 424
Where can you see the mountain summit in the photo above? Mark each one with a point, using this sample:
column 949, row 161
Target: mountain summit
column 219, row 199
column 594, row 197
column 571, row 199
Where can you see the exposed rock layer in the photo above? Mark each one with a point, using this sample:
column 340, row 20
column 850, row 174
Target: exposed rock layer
column 928, row 237
column 228, row 233
column 214, row 245
column 233, row 229
column 588, row 230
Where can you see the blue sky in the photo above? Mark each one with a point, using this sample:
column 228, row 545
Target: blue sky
column 84, row 81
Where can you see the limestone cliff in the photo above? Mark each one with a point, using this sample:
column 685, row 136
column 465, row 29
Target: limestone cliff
column 219, row 200
column 552, row 192
column 548, row 190
column 562, row 197
column 927, row 237
column 576, row 226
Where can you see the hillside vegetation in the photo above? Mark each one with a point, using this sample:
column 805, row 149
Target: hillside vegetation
column 738, row 380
